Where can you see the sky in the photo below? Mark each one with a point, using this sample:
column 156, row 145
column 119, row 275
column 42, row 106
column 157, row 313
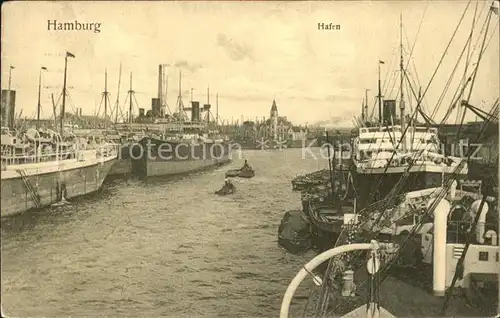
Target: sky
column 248, row 52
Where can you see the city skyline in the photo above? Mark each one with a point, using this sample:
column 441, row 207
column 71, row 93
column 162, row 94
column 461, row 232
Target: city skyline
column 311, row 73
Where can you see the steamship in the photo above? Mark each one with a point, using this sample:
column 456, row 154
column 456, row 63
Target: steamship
column 380, row 159
column 397, row 151
column 436, row 223
column 40, row 168
column 174, row 143
column 43, row 167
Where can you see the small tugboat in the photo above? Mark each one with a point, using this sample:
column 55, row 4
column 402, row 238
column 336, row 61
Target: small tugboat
column 244, row 172
column 227, row 188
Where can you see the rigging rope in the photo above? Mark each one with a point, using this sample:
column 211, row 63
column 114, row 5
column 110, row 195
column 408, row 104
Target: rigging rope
column 446, row 50
column 384, row 87
column 418, row 226
column 423, row 95
column 392, row 196
column 465, row 79
column 449, row 179
column 482, row 50
column 414, row 43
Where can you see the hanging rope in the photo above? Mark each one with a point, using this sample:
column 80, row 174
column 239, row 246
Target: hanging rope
column 446, row 50
column 465, row 79
column 417, row 227
column 481, row 52
column 392, row 195
column 377, row 184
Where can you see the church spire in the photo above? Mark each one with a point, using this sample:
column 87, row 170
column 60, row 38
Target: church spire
column 274, row 107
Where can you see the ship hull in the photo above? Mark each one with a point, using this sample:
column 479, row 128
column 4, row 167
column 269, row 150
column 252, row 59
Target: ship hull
column 162, row 168
column 171, row 158
column 377, row 184
column 122, row 167
column 250, row 144
column 47, row 180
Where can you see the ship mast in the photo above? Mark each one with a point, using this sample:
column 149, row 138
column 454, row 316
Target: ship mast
column 54, row 111
column 118, row 94
column 363, row 111
column 379, row 96
column 39, row 106
column 181, row 106
column 208, row 103
column 366, row 119
column 63, row 107
column 401, row 67
column 105, row 95
column 160, row 88
column 131, row 95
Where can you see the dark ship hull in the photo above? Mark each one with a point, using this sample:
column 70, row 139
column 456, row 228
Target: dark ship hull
column 373, row 187
column 327, row 221
column 483, row 139
column 123, row 165
column 154, row 157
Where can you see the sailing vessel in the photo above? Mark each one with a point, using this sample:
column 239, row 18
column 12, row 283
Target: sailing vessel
column 42, row 167
column 176, row 144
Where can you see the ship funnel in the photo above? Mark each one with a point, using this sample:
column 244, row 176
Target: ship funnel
column 389, row 112
column 162, row 94
column 195, row 111
column 8, row 107
column 155, row 107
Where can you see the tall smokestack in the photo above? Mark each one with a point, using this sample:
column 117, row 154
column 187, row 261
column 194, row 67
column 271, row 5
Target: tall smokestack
column 160, row 84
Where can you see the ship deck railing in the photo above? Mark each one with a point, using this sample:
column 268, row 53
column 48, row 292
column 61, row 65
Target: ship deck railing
column 458, row 232
column 108, row 150
column 35, row 158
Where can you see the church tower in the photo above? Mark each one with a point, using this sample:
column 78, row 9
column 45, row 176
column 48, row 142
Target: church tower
column 274, row 121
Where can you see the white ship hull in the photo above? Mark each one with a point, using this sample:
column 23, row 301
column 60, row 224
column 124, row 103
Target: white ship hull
column 49, row 181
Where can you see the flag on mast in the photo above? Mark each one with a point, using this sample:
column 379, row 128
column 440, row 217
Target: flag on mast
column 381, row 62
column 494, row 6
column 68, row 54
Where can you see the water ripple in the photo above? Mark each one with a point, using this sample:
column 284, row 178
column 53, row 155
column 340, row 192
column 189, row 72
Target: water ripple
column 168, row 247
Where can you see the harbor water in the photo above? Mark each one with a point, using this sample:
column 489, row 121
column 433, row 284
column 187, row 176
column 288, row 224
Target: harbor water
column 168, row 247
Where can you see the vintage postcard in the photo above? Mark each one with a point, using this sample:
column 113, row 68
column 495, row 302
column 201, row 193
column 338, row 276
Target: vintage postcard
column 249, row 158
